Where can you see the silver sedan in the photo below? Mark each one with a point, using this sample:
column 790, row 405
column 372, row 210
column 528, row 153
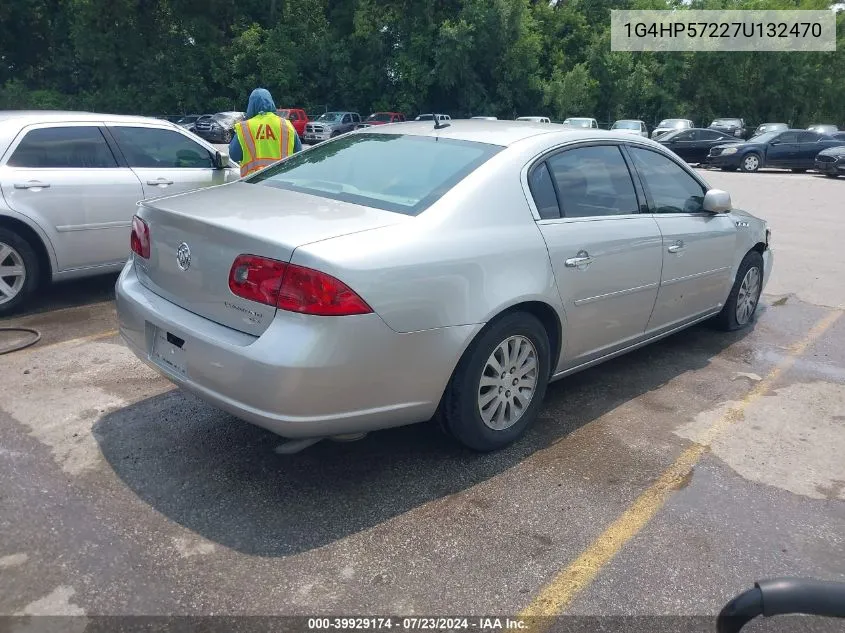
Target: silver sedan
column 69, row 183
column 399, row 274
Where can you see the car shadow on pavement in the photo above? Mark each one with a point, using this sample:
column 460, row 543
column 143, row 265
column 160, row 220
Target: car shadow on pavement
column 69, row 294
column 221, row 478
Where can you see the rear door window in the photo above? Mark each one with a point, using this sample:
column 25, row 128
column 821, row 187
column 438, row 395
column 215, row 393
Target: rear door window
column 593, row 181
column 543, row 192
column 157, row 148
column 809, row 137
column 79, row 147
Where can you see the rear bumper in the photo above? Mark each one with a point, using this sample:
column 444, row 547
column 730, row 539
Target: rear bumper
column 304, row 376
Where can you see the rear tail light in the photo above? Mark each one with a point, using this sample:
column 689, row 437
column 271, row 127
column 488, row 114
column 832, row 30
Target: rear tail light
column 293, row 288
column 140, row 238
column 256, row 278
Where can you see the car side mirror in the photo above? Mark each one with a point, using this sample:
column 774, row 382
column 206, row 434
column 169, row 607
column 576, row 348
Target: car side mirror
column 221, row 160
column 717, row 201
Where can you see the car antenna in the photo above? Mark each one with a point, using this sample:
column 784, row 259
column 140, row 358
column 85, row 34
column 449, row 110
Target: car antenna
column 439, row 125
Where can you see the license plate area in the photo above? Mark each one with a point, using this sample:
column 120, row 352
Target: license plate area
column 168, row 351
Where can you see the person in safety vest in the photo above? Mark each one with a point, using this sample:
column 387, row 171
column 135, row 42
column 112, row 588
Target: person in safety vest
column 263, row 137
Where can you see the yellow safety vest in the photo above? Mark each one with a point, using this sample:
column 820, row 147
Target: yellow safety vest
column 265, row 139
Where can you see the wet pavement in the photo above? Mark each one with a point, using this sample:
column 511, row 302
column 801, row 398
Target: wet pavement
column 122, row 495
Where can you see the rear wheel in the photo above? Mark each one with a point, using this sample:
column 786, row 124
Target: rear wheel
column 750, row 163
column 227, row 136
column 498, row 386
column 739, row 309
column 18, row 270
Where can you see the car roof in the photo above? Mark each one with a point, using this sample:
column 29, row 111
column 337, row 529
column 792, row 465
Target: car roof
column 500, row 132
column 25, row 117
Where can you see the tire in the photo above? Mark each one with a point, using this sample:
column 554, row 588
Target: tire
column 798, row 171
column 751, row 162
column 727, row 319
column 16, row 252
column 227, row 137
column 334, row 134
column 832, row 175
column 460, row 409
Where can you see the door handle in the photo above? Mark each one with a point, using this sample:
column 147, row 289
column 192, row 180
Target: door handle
column 160, row 181
column 32, row 184
column 582, row 260
column 677, row 247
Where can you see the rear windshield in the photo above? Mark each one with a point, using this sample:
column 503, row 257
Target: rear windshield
column 735, row 122
column 395, row 172
column 379, row 116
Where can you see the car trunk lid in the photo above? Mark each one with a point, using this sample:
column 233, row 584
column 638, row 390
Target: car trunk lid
column 195, row 238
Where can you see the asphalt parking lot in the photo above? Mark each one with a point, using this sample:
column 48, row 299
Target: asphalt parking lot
column 663, row 482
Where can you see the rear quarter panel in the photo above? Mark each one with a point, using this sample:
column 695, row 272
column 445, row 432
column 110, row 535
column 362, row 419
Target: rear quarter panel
column 470, row 256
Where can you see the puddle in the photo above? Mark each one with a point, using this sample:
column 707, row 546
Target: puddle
column 792, row 439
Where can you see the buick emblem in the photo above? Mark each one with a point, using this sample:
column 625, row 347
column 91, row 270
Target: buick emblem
column 183, row 256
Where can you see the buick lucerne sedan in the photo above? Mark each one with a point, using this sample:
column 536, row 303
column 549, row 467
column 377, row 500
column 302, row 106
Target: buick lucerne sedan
column 407, row 272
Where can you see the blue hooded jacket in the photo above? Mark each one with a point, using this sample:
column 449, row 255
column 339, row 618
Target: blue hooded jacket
column 259, row 101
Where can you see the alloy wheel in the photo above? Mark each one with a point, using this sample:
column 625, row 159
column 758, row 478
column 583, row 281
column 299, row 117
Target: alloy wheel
column 748, row 296
column 12, row 273
column 508, row 383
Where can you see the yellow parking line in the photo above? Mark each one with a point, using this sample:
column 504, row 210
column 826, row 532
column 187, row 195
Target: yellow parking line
column 559, row 593
column 67, row 343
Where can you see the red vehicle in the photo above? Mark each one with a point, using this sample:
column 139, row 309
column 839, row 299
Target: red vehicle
column 380, row 118
column 296, row 116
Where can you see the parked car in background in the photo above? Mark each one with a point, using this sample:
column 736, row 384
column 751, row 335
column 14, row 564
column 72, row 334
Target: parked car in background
column 297, row 117
column 218, row 128
column 694, row 145
column 792, row 149
column 534, row 119
column 70, row 182
column 631, row 126
column 668, row 125
column 831, row 161
column 329, row 125
column 338, row 291
column 431, row 117
column 823, row 128
column 382, row 118
column 770, row 127
column 581, row 122
column 187, row 122
column 734, row 127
